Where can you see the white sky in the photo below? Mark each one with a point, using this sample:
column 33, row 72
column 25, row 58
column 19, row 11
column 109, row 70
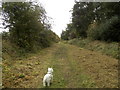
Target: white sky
column 59, row 11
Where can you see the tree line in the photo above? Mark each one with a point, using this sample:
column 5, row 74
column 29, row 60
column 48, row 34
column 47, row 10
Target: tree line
column 94, row 20
column 28, row 25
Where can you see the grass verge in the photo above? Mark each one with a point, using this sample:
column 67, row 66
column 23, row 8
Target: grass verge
column 110, row 49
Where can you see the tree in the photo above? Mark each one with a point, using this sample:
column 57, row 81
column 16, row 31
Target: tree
column 82, row 16
column 103, row 13
column 64, row 35
column 69, row 33
column 107, row 18
column 26, row 21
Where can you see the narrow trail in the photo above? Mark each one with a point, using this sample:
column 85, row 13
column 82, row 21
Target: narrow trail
column 67, row 75
column 74, row 67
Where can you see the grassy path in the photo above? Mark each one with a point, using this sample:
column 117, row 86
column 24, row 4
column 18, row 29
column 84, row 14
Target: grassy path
column 66, row 74
column 74, row 67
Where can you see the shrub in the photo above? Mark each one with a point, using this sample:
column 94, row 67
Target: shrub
column 107, row 31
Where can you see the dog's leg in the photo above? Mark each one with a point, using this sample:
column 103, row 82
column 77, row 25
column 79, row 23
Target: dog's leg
column 44, row 84
column 48, row 84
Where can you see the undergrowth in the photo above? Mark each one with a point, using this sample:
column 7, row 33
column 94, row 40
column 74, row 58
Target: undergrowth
column 110, row 49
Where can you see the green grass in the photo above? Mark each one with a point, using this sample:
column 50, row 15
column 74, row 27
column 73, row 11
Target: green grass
column 110, row 49
column 21, row 75
column 66, row 74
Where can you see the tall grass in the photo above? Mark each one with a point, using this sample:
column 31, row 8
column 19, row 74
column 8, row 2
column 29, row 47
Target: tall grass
column 110, row 49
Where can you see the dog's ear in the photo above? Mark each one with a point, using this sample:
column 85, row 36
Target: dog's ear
column 48, row 69
column 52, row 69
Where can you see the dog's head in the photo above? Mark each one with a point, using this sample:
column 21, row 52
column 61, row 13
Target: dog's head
column 50, row 70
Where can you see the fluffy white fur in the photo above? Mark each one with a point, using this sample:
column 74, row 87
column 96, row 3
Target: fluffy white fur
column 48, row 78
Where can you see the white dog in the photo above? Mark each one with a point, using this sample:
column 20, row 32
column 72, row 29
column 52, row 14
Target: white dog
column 48, row 78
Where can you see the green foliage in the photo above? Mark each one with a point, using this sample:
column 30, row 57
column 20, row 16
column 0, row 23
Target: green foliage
column 23, row 28
column 64, row 35
column 69, row 33
column 104, row 15
column 43, row 40
column 81, row 17
column 28, row 26
column 21, row 75
column 46, row 38
column 108, row 31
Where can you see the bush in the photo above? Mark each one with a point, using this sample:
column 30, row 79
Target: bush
column 46, row 38
column 107, row 31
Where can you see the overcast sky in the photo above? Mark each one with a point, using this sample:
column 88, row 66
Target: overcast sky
column 59, row 11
